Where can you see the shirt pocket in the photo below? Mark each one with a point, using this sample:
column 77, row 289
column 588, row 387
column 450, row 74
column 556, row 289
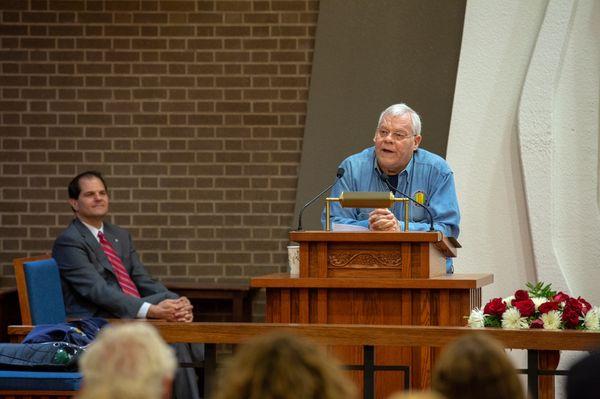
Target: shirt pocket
column 418, row 214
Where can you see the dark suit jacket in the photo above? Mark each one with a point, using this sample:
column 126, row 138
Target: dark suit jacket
column 89, row 285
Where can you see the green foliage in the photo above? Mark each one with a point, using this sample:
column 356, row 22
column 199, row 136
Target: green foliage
column 541, row 290
column 492, row 321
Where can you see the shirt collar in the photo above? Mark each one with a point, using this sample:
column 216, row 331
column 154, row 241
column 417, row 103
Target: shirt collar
column 93, row 229
column 407, row 171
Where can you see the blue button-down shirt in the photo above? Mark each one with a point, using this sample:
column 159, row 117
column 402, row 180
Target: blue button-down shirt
column 427, row 177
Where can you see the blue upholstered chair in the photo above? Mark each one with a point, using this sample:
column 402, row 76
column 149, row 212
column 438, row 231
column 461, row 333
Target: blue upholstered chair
column 40, row 294
column 28, row 384
column 41, row 302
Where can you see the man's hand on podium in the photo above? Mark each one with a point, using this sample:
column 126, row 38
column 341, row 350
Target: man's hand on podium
column 382, row 220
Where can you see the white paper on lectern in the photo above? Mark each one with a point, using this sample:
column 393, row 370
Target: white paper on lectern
column 347, row 227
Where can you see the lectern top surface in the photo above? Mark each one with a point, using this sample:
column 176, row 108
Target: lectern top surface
column 449, row 281
column 399, row 236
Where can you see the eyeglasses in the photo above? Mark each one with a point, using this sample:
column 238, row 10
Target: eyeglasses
column 396, row 136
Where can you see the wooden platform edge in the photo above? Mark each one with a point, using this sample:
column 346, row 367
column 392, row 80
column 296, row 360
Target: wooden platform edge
column 338, row 334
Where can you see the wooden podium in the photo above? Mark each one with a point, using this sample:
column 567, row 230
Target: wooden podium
column 384, row 278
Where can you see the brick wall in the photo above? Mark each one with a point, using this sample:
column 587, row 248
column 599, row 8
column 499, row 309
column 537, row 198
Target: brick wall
column 193, row 110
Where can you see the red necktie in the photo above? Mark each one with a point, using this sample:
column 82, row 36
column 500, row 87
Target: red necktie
column 123, row 278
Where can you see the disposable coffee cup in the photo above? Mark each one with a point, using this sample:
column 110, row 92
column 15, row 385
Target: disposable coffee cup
column 294, row 259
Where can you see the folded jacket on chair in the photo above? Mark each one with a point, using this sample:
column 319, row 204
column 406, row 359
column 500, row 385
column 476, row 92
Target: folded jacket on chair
column 48, row 356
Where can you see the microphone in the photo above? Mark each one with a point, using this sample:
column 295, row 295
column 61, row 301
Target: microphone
column 386, row 180
column 340, row 173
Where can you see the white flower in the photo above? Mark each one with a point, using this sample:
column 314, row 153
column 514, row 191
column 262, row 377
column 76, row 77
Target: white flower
column 512, row 319
column 592, row 319
column 538, row 300
column 476, row 319
column 508, row 300
column 551, row 320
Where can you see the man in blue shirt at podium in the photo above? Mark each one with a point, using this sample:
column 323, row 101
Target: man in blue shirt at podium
column 420, row 174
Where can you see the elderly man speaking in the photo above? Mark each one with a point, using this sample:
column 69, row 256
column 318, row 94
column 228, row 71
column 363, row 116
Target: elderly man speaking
column 397, row 158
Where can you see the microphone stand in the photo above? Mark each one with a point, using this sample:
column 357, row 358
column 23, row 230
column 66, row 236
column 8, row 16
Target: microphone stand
column 340, row 173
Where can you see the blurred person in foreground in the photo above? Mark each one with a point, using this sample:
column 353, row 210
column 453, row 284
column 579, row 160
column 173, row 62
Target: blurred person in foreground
column 128, row 361
column 417, row 395
column 582, row 380
column 283, row 366
column 476, row 366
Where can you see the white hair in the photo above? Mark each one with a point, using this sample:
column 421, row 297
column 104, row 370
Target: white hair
column 128, row 360
column 399, row 110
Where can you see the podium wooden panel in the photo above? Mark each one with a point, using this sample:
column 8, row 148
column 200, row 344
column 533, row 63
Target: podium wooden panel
column 378, row 278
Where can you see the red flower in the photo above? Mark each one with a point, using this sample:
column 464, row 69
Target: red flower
column 574, row 305
column 570, row 317
column 521, row 295
column 495, row 307
column 537, row 323
column 525, row 307
column 561, row 297
column 585, row 305
column 548, row 306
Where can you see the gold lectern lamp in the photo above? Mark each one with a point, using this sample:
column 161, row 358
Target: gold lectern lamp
column 362, row 199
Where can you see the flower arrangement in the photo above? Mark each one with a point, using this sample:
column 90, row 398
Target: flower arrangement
column 537, row 307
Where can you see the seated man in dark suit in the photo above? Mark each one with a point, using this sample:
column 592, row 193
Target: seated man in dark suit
column 102, row 275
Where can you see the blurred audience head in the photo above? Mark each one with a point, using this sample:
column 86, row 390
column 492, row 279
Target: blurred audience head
column 283, row 366
column 128, row 360
column 417, row 395
column 476, row 366
column 582, row 380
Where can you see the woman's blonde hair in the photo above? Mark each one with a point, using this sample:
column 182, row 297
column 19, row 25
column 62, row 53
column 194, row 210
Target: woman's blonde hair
column 283, row 366
column 476, row 366
column 128, row 360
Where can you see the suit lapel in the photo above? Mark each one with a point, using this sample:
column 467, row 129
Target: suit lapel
column 92, row 242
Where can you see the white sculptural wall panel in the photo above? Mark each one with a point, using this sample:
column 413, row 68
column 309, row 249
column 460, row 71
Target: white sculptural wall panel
column 524, row 145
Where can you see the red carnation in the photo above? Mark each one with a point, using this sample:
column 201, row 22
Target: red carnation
column 561, row 297
column 525, row 307
column 537, row 323
column 548, row 306
column 495, row 307
column 570, row 317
